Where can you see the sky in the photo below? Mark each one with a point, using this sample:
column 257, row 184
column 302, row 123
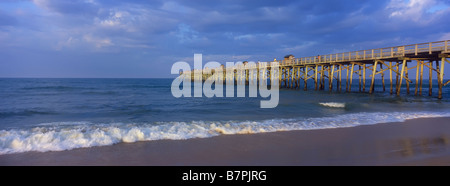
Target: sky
column 142, row 39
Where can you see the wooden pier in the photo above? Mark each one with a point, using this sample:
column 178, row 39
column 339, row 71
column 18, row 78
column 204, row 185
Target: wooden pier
column 391, row 62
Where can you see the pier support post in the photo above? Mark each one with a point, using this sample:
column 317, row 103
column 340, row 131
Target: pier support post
column 401, row 77
column 374, row 71
column 390, row 76
column 397, row 77
column 297, row 77
column 290, row 75
column 340, row 77
column 330, row 78
column 382, row 77
column 407, row 78
column 306, row 78
column 347, row 80
column 316, row 76
column 279, row 75
column 293, row 76
column 360, row 81
column 236, row 76
column 285, row 77
column 441, row 78
column 257, row 73
column 438, row 75
column 322, row 78
column 430, row 81
column 421, row 77
column 326, row 69
column 247, row 75
column 351, row 78
column 417, row 78
column 364, row 78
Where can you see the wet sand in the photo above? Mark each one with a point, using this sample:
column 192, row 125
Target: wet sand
column 414, row 142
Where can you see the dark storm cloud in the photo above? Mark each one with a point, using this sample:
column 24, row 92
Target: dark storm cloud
column 140, row 38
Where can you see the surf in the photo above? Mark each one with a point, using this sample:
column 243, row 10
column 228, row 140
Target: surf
column 333, row 104
column 59, row 136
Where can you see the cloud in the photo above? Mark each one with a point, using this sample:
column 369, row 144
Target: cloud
column 418, row 11
column 297, row 48
column 445, row 36
column 109, row 25
column 186, row 34
column 157, row 32
column 98, row 42
column 88, row 7
column 250, row 37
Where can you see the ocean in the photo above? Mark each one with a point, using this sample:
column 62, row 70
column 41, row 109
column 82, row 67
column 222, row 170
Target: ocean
column 42, row 115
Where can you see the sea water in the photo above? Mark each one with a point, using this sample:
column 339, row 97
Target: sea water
column 63, row 114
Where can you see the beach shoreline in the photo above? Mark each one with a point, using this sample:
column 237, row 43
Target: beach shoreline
column 424, row 141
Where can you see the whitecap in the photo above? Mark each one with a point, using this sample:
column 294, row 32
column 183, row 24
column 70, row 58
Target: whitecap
column 58, row 137
column 333, row 104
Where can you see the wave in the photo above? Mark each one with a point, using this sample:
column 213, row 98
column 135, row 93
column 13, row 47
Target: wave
column 70, row 135
column 333, row 104
column 99, row 92
column 143, row 86
column 26, row 112
column 56, row 87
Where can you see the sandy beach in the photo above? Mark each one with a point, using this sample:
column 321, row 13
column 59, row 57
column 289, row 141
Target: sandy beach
column 414, row 142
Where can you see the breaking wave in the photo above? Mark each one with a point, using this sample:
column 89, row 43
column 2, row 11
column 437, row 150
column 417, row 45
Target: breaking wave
column 70, row 135
column 333, row 104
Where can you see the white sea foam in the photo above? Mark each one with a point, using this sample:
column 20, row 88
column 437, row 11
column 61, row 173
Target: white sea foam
column 63, row 136
column 333, row 104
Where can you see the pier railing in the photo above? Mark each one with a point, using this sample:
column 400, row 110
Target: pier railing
column 362, row 55
column 373, row 54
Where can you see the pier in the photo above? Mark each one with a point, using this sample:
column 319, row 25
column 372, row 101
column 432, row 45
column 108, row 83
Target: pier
column 394, row 64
